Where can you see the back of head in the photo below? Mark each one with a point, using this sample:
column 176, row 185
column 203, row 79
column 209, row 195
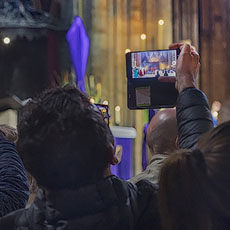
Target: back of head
column 194, row 185
column 215, row 145
column 162, row 132
column 63, row 141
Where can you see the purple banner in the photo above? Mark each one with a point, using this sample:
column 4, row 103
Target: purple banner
column 79, row 48
column 124, row 168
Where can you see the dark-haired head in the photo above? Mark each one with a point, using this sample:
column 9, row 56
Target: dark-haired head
column 195, row 186
column 64, row 142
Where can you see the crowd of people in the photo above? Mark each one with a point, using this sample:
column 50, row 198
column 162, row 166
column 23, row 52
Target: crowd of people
column 67, row 148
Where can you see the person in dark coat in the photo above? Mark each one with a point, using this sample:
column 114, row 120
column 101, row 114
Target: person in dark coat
column 14, row 187
column 68, row 148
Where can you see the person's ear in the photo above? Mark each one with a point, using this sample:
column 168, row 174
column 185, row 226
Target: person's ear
column 112, row 159
column 177, row 143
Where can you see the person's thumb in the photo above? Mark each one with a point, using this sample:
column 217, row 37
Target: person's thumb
column 186, row 49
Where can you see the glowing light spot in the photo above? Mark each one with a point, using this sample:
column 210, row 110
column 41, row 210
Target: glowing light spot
column 161, row 22
column 143, row 36
column 215, row 114
column 6, row 40
column 117, row 108
column 105, row 102
column 127, row 51
column 92, row 100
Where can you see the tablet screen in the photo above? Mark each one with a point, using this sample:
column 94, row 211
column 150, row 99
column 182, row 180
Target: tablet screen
column 154, row 64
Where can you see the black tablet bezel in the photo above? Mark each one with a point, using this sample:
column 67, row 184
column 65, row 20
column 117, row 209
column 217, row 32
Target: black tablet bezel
column 159, row 96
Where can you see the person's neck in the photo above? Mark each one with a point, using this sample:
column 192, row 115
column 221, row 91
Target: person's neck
column 107, row 172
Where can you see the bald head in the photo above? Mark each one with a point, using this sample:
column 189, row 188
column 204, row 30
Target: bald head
column 162, row 132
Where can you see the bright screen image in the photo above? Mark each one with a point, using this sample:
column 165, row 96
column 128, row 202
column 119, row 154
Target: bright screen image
column 154, row 64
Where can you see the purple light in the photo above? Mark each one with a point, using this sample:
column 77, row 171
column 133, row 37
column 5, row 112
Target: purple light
column 79, row 48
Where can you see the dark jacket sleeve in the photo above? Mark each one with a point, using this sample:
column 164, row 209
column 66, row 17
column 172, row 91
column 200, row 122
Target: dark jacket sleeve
column 193, row 117
column 14, row 188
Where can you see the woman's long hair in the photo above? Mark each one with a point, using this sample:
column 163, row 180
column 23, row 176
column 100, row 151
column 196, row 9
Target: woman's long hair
column 194, row 191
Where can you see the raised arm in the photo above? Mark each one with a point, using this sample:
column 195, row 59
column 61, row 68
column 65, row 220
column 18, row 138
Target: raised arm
column 193, row 113
column 193, row 117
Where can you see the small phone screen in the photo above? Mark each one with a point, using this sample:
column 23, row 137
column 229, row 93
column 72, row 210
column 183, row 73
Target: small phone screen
column 154, row 64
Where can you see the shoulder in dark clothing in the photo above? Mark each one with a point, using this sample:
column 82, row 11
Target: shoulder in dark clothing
column 14, row 188
column 113, row 204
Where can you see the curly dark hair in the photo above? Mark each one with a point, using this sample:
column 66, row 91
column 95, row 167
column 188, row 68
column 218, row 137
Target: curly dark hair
column 63, row 140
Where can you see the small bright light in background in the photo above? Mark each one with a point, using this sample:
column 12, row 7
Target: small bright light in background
column 215, row 114
column 143, row 36
column 216, row 106
column 127, row 51
column 105, row 102
column 117, row 115
column 6, row 40
column 117, row 108
column 161, row 22
column 92, row 100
